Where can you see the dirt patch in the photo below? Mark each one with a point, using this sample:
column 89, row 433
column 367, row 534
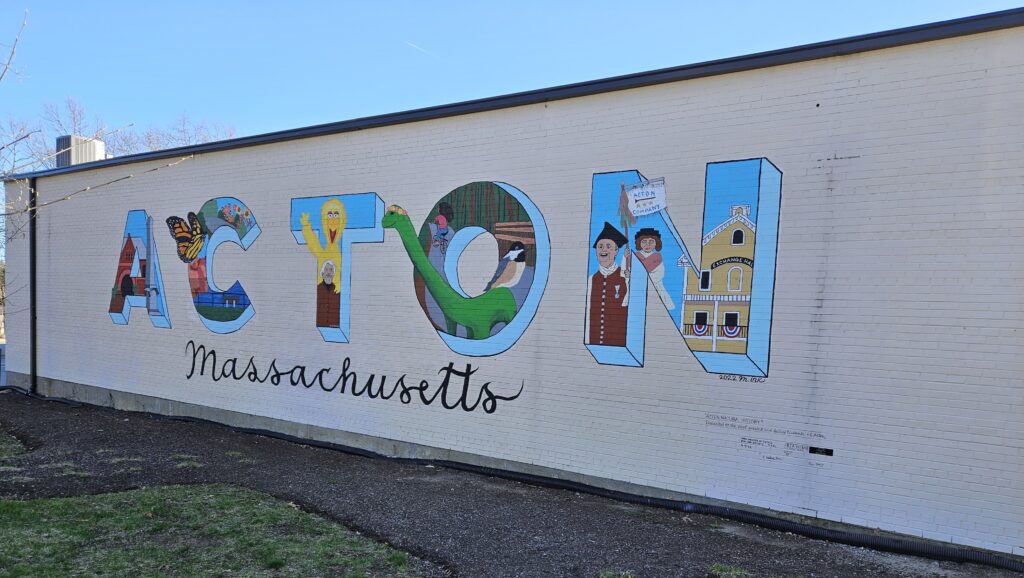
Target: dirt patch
column 467, row 524
column 10, row 446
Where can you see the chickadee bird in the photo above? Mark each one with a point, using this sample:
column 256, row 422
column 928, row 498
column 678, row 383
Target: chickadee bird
column 510, row 267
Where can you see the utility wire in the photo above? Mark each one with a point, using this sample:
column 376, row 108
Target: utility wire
column 94, row 187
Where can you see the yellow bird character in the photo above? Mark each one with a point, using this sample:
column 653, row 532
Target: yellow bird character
column 332, row 221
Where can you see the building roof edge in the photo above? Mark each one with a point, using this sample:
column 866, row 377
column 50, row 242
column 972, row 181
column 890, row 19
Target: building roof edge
column 803, row 53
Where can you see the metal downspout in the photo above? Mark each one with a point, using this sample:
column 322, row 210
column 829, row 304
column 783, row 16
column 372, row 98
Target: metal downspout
column 33, row 199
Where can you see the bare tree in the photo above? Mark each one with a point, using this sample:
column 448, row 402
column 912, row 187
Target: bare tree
column 14, row 49
column 70, row 117
column 185, row 132
column 29, row 145
column 15, row 144
column 14, row 134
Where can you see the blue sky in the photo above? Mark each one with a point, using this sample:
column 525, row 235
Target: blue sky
column 265, row 66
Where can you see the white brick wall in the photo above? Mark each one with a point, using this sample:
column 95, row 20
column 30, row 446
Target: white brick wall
column 898, row 302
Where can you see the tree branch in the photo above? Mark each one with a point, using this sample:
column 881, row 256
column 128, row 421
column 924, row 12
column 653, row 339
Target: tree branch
column 14, row 48
column 93, row 188
column 19, row 139
column 37, row 161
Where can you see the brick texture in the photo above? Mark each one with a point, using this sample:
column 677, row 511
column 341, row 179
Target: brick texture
column 899, row 297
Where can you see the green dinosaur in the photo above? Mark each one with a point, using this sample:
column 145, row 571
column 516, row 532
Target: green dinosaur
column 477, row 314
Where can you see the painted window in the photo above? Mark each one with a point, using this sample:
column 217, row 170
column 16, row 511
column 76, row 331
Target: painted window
column 700, row 317
column 705, row 280
column 737, row 237
column 732, row 319
column 735, row 279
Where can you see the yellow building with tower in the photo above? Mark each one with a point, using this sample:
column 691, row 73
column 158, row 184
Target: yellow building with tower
column 717, row 301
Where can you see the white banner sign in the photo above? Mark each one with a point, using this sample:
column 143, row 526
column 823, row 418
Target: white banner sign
column 647, row 198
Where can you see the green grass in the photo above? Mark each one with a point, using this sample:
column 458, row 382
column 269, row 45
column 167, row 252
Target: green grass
column 183, row 531
column 186, row 461
column 220, row 313
column 723, row 571
column 240, row 458
column 9, row 446
column 58, row 465
column 73, row 473
column 67, row 469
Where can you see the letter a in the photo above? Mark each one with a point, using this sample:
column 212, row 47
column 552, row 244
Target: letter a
column 138, row 282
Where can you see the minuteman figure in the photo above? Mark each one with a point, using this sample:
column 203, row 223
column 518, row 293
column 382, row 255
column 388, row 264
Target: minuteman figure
column 609, row 291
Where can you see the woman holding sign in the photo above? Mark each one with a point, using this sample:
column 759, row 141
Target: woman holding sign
column 648, row 250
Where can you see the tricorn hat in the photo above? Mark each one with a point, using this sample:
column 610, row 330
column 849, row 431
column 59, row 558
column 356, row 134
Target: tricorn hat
column 612, row 234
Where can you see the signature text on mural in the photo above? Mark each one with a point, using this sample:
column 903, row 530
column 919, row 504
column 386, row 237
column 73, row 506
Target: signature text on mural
column 741, row 378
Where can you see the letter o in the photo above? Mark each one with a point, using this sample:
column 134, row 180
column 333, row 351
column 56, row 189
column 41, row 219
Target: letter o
column 492, row 322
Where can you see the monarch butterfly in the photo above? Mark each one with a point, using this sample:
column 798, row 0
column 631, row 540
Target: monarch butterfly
column 189, row 236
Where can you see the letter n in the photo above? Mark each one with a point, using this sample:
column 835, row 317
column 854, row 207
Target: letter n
column 138, row 282
column 721, row 304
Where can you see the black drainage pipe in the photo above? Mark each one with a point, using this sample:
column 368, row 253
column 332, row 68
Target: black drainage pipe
column 33, row 203
column 29, row 393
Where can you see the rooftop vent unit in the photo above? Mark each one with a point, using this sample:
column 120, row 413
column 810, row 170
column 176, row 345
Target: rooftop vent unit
column 74, row 150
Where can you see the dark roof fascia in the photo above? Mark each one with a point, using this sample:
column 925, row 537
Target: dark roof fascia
column 807, row 52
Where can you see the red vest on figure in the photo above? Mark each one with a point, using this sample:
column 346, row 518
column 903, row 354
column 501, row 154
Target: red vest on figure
column 607, row 311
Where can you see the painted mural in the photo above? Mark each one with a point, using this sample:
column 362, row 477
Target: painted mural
column 491, row 321
column 721, row 304
column 138, row 282
column 328, row 226
column 219, row 220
